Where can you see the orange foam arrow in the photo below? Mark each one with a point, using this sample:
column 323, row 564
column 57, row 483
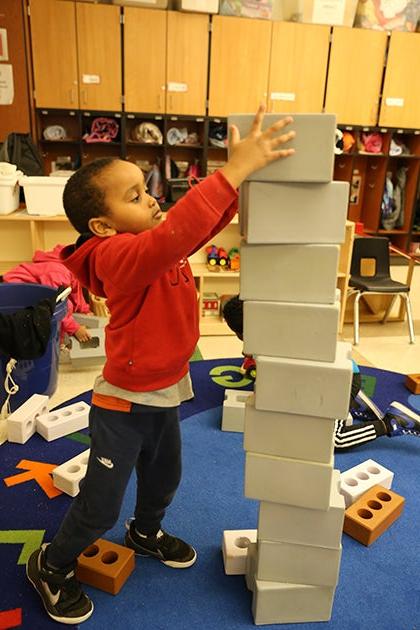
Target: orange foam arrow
column 38, row 471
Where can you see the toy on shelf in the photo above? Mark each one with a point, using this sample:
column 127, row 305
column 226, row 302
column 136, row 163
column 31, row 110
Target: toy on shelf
column 219, row 260
column 234, row 259
column 211, row 304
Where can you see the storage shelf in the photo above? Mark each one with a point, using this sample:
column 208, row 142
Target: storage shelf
column 200, row 270
column 23, row 215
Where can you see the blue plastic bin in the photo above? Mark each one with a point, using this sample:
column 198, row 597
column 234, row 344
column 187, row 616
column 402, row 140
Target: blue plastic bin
column 38, row 376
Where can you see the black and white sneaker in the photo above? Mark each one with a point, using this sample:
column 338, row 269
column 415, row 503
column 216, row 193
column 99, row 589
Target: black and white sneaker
column 60, row 591
column 363, row 408
column 401, row 420
column 172, row 551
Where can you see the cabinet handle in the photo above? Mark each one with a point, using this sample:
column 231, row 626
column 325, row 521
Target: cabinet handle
column 170, row 102
column 84, row 98
column 159, row 102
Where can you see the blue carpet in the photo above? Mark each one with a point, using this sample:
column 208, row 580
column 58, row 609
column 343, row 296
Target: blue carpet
column 379, row 586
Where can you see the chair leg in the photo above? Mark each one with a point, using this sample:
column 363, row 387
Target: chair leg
column 356, row 318
column 409, row 317
column 389, row 309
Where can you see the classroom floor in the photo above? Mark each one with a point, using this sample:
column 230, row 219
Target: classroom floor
column 382, row 346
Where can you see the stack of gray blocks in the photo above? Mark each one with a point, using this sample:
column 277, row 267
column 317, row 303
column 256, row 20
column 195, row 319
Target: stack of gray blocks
column 292, row 218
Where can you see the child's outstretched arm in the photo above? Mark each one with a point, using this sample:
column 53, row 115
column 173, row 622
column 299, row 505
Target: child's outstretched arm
column 257, row 149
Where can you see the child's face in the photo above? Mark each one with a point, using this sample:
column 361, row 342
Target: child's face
column 129, row 207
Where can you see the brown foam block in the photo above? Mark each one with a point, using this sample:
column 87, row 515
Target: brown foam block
column 412, row 382
column 372, row 514
column 105, row 565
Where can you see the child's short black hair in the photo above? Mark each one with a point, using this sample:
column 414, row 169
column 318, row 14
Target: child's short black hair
column 83, row 199
column 233, row 314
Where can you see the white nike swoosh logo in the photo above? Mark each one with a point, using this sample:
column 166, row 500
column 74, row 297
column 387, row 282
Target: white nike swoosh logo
column 106, row 462
column 53, row 598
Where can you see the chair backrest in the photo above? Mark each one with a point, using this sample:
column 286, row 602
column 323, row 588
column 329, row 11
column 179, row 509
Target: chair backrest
column 371, row 247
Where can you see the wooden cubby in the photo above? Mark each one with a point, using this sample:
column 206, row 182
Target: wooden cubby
column 367, row 173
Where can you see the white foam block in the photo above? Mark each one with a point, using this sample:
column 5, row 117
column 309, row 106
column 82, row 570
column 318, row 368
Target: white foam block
column 91, row 321
column 235, row 549
column 291, row 481
column 21, row 424
column 313, row 388
column 359, row 479
column 288, row 435
column 293, row 213
column 63, row 421
column 95, row 347
column 297, row 563
column 320, row 528
column 68, row 475
column 234, row 410
column 294, row 330
column 314, row 144
column 279, row 602
column 289, row 273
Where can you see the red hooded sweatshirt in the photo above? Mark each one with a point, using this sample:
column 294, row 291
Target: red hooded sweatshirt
column 150, row 289
column 48, row 268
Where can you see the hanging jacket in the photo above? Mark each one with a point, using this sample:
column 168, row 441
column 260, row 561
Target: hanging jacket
column 47, row 268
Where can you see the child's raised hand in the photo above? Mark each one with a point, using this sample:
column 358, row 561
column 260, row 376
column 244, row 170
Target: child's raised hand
column 257, row 149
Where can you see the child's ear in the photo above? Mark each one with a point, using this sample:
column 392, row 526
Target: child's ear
column 100, row 226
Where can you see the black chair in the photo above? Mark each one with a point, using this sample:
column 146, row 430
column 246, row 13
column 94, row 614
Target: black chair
column 376, row 248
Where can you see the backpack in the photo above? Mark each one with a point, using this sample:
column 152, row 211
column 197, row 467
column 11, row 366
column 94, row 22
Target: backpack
column 19, row 149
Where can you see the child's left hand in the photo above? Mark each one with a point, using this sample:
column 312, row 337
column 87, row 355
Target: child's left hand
column 82, row 334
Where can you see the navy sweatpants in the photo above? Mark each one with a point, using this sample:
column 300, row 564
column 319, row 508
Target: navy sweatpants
column 147, row 439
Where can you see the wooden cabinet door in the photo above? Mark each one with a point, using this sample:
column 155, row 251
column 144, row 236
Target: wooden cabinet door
column 239, row 64
column 145, row 74
column 99, row 50
column 401, row 92
column 298, row 67
column 187, row 61
column 54, row 53
column 355, row 75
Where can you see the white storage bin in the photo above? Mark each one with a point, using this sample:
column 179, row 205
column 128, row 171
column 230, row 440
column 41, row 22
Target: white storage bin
column 44, row 195
column 9, row 193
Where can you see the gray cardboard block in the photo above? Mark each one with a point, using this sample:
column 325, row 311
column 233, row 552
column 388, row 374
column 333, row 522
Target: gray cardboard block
column 233, row 414
column 291, row 329
column 314, row 144
column 291, row 481
column 287, row 435
column 296, row 563
column 278, row 602
column 313, row 388
column 289, row 273
column 251, row 566
column 320, row 528
column 293, row 213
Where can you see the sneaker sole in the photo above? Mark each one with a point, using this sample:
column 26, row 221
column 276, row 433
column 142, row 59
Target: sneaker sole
column 404, row 410
column 71, row 621
column 173, row 564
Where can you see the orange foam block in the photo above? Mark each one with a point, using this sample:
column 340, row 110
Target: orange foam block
column 372, row 514
column 412, row 382
column 105, row 565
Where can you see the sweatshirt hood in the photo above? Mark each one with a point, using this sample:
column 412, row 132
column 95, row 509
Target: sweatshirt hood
column 80, row 259
column 53, row 255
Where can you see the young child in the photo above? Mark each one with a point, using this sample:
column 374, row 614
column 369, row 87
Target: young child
column 397, row 419
column 48, row 268
column 140, row 265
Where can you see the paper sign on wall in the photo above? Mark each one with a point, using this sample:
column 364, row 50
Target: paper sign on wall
column 329, row 12
column 394, row 102
column 4, row 52
column 177, row 87
column 91, row 78
column 7, row 91
column 282, row 96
